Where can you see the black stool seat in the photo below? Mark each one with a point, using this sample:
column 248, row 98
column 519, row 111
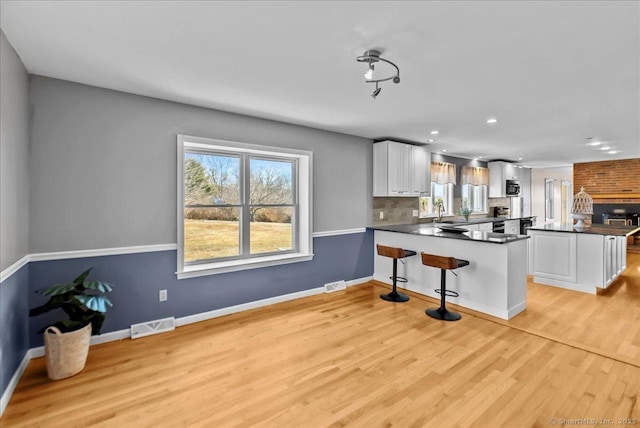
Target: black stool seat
column 395, row 253
column 444, row 263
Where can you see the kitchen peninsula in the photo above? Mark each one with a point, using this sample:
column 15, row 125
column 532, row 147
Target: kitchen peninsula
column 495, row 282
column 581, row 259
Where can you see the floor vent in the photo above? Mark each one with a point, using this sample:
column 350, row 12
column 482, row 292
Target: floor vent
column 334, row 286
column 152, row 327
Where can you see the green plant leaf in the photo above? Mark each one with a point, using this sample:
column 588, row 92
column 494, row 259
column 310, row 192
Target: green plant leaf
column 80, row 279
column 95, row 303
column 98, row 285
column 56, row 290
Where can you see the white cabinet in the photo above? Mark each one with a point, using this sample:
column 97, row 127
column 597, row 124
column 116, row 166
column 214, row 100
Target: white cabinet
column 577, row 261
column 485, row 227
column 525, row 191
column 421, row 171
column 615, row 257
column 512, row 227
column 499, row 173
column 401, row 169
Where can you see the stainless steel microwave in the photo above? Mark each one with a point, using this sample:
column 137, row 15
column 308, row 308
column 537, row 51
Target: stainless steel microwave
column 513, row 188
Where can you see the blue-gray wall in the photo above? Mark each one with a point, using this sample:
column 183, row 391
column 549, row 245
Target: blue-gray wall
column 138, row 278
column 14, row 206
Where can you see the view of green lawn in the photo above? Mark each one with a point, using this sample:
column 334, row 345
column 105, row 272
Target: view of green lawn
column 207, row 239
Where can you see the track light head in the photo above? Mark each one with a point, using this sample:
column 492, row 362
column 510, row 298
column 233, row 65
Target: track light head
column 376, row 92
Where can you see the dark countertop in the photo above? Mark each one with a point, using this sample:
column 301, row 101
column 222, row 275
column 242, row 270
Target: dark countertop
column 595, row 229
column 478, row 220
column 470, row 235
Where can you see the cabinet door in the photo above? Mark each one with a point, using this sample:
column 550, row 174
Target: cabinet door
column 486, row 227
column 399, row 169
column 510, row 171
column 525, row 191
column 421, row 171
column 496, row 180
column 380, row 169
column 610, row 259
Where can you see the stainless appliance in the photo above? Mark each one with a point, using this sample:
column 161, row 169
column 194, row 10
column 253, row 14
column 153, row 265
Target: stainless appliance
column 525, row 222
column 622, row 218
column 502, row 212
column 512, row 188
column 498, row 226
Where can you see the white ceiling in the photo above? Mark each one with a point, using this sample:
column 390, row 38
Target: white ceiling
column 553, row 73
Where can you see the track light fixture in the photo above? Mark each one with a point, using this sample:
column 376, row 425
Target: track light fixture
column 371, row 57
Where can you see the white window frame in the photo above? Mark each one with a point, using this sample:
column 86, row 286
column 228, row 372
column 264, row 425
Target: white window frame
column 465, row 195
column 304, row 188
column 448, row 200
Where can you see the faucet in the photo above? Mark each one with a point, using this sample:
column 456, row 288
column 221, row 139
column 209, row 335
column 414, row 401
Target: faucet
column 439, row 205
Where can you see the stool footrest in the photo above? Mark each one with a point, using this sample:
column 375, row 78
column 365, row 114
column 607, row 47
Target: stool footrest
column 399, row 279
column 449, row 293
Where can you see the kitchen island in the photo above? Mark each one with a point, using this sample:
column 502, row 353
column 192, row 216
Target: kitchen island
column 581, row 259
column 495, row 282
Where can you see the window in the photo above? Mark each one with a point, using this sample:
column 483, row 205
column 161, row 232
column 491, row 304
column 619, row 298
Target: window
column 443, row 179
column 241, row 206
column 445, row 193
column 475, row 182
column 475, row 198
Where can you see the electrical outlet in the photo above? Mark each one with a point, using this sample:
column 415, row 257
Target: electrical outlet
column 381, row 215
column 162, row 295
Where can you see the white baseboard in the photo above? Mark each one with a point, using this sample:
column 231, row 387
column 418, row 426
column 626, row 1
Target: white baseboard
column 11, row 386
column 203, row 316
column 359, row 281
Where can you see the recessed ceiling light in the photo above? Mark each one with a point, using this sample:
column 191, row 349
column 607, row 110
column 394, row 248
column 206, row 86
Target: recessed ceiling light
column 612, row 152
column 519, row 158
column 431, row 140
column 435, row 132
column 479, row 157
column 595, row 143
column 445, row 150
column 492, row 120
column 605, row 148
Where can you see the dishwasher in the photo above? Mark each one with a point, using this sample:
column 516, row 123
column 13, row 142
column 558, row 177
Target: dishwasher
column 498, row 227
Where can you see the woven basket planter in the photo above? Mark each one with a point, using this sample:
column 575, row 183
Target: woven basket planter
column 66, row 353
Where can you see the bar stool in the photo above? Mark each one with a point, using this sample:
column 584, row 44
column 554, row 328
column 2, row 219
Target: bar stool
column 444, row 263
column 395, row 254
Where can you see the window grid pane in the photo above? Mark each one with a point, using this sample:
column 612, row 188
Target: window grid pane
column 219, row 223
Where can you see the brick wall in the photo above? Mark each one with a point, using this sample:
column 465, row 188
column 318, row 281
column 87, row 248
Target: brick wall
column 610, row 180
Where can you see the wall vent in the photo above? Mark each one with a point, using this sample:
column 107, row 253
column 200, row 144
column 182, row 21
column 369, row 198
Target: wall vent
column 334, row 286
column 152, row 327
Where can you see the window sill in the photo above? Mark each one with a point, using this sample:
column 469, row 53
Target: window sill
column 240, row 265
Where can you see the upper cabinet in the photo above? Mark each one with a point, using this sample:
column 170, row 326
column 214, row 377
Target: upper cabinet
column 499, row 173
column 401, row 169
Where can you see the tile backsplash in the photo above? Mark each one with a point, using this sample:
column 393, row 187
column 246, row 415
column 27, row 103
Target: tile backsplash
column 398, row 210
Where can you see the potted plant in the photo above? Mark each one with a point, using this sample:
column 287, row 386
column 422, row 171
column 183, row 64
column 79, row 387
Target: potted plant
column 465, row 212
column 67, row 341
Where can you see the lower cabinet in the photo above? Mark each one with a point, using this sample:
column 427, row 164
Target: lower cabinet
column 512, row 227
column 581, row 262
column 485, row 227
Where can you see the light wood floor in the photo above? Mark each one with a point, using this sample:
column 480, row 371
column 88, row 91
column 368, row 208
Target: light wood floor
column 352, row 359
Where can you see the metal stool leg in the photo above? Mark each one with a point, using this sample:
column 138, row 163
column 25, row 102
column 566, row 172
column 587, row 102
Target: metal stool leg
column 394, row 296
column 442, row 313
